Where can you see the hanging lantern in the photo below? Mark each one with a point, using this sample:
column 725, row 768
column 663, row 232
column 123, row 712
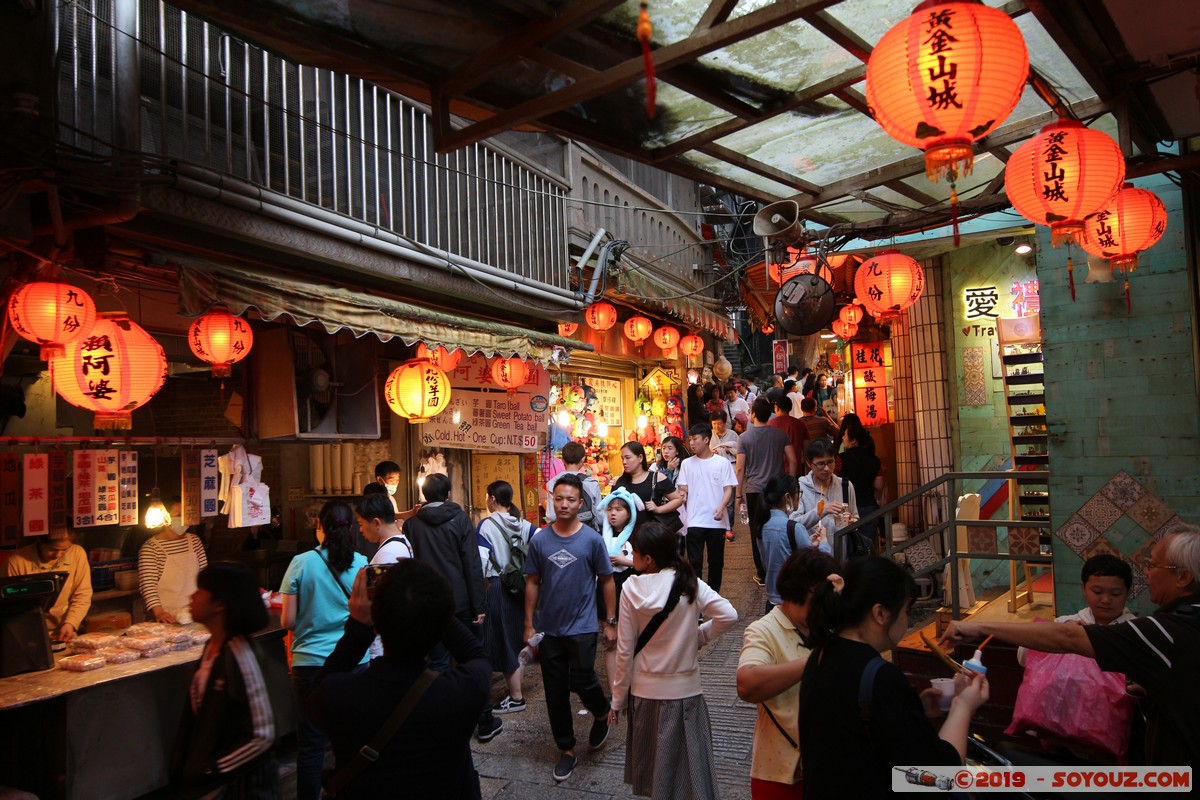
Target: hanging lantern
column 944, row 78
column 219, row 338
column 51, row 314
column 637, row 329
column 722, row 369
column 417, row 390
column 510, row 373
column 801, row 263
column 844, row 330
column 671, row 353
column 1132, row 221
column 691, row 345
column 600, row 316
column 116, row 368
column 1065, row 173
column 445, row 360
column 666, row 338
column 768, row 329
column 888, row 283
column 567, row 328
column 851, row 313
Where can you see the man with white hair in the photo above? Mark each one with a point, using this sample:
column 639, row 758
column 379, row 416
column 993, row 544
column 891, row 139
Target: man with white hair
column 1160, row 652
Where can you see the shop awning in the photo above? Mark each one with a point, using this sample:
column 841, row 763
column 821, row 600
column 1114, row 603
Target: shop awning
column 203, row 284
column 647, row 290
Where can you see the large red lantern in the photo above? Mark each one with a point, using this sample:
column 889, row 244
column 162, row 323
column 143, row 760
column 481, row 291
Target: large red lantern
column 666, row 338
column 802, row 264
column 51, row 314
column 567, row 328
column 638, row 329
column 417, row 390
column 851, row 314
column 1062, row 175
column 219, row 338
column 445, row 360
column 888, row 283
column 600, row 316
column 116, row 368
column 691, row 345
column 1132, row 221
column 510, row 373
column 944, row 78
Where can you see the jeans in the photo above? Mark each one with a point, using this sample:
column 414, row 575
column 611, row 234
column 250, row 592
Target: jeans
column 310, row 742
column 569, row 665
column 714, row 539
column 753, row 501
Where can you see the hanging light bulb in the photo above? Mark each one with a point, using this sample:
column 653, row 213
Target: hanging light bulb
column 602, row 427
column 157, row 515
column 564, row 417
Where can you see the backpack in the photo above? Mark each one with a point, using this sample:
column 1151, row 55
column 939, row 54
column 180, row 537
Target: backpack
column 512, row 575
column 587, row 514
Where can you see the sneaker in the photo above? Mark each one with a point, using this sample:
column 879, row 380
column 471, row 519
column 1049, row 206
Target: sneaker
column 488, row 730
column 509, row 706
column 758, row 580
column 564, row 767
column 729, row 537
column 599, row 734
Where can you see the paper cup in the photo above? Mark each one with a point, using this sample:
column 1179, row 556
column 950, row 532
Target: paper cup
column 945, row 690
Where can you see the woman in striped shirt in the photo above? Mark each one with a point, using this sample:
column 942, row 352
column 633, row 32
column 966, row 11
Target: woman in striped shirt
column 167, row 568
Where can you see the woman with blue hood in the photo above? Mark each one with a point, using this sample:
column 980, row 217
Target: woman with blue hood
column 618, row 513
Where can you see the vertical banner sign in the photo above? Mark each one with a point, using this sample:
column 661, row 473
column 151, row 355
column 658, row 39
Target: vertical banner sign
column 529, row 486
column 779, row 356
column 108, row 488
column 189, row 461
column 10, row 498
column 58, row 490
column 83, row 506
column 36, row 491
column 129, row 487
column 208, row 483
column 872, row 364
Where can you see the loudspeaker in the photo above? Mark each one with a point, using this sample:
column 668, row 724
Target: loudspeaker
column 779, row 222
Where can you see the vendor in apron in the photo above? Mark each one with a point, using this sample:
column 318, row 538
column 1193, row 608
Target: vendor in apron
column 167, row 568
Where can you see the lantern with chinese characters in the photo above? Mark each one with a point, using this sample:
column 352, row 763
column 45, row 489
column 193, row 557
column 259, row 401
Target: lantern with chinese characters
column 445, row 360
column 888, row 283
column 666, row 338
column 567, row 328
column 116, row 368
column 417, row 390
column 637, row 329
column 510, row 373
column 844, row 330
column 944, row 78
column 219, row 338
column 600, row 316
column 691, row 345
column 51, row 314
column 1062, row 175
column 1132, row 221
column 851, row 314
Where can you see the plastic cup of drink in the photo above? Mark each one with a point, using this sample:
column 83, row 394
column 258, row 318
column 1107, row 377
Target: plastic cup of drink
column 945, row 689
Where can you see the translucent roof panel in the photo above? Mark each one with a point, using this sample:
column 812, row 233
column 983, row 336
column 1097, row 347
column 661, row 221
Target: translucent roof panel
column 738, row 174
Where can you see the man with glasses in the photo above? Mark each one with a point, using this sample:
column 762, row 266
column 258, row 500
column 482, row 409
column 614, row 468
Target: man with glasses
column 828, row 500
column 1160, row 652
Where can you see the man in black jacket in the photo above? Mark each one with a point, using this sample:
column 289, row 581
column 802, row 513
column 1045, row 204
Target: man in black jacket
column 430, row 755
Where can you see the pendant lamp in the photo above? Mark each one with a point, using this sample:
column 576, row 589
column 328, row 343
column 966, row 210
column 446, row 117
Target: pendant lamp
column 51, row 314
column 220, row 339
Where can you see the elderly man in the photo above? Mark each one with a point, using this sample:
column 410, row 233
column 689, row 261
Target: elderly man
column 1160, row 652
column 56, row 553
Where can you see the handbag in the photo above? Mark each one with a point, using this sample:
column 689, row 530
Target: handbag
column 668, row 519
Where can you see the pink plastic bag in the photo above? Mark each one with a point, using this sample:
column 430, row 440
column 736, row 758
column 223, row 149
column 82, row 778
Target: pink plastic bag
column 1069, row 697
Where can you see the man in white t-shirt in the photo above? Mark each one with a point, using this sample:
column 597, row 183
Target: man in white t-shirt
column 377, row 523
column 706, row 482
column 724, row 442
column 793, row 393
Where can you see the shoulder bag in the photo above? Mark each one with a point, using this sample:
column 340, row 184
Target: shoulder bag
column 668, row 519
column 336, row 578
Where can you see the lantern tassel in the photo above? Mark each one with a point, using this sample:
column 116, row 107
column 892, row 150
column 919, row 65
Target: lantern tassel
column 954, row 212
column 644, row 32
column 1128, row 299
column 1071, row 277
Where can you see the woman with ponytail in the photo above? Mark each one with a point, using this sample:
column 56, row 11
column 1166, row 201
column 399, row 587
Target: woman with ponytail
column 859, row 717
column 668, row 750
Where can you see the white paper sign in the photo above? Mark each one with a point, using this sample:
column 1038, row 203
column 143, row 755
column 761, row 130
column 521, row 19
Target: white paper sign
column 129, row 487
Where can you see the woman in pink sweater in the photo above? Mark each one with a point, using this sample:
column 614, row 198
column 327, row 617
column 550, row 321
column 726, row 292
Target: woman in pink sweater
column 668, row 750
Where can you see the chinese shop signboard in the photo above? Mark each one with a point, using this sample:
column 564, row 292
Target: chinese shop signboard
column 871, row 370
column 129, row 487
column 209, row 475
column 476, row 373
column 494, row 421
column 35, row 513
column 779, row 356
column 97, row 488
column 10, row 498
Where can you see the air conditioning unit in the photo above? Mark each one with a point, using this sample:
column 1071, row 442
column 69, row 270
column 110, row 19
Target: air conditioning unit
column 309, row 384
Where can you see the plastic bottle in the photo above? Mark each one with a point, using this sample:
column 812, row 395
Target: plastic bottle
column 975, row 663
column 530, row 651
column 743, row 515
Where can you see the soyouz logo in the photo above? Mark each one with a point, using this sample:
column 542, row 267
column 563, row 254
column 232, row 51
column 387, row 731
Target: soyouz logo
column 1133, row 780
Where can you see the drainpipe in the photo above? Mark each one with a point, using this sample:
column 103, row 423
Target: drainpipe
column 608, row 250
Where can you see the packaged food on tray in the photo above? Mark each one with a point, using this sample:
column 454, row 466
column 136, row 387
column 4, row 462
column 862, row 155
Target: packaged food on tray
column 155, row 628
column 93, row 641
column 185, row 644
column 174, row 635
column 119, row 655
column 82, row 663
column 155, row 652
column 144, row 642
column 201, row 637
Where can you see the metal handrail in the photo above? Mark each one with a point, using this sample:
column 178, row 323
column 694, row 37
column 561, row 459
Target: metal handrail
column 884, row 513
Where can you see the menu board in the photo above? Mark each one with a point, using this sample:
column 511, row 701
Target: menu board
column 608, row 399
column 488, row 467
column 494, row 421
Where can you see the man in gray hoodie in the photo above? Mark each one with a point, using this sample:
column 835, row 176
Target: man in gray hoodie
column 827, row 500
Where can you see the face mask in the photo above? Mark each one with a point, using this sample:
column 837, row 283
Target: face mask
column 391, row 488
column 178, row 527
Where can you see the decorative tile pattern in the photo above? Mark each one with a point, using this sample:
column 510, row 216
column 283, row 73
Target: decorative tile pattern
column 974, row 382
column 1150, row 512
column 1077, row 534
column 1100, row 513
column 1100, row 547
column 981, row 539
column 1139, row 579
column 1023, row 541
column 921, row 555
column 1143, row 552
column 1123, row 490
column 1168, row 525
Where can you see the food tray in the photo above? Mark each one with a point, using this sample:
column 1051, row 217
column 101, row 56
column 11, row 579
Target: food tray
column 82, row 663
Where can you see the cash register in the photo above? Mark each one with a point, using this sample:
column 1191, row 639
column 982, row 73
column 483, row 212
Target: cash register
column 24, row 642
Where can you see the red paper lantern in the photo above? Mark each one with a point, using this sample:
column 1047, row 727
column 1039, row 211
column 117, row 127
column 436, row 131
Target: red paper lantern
column 666, row 338
column 844, row 330
column 768, row 329
column 600, row 316
column 801, row 264
column 1132, row 221
column 445, row 360
column 691, row 345
column 567, row 328
column 638, row 329
column 417, row 390
column 510, row 373
column 852, row 314
column 888, row 283
column 116, row 368
column 1062, row 175
column 944, row 78
column 51, row 314
column 219, row 338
